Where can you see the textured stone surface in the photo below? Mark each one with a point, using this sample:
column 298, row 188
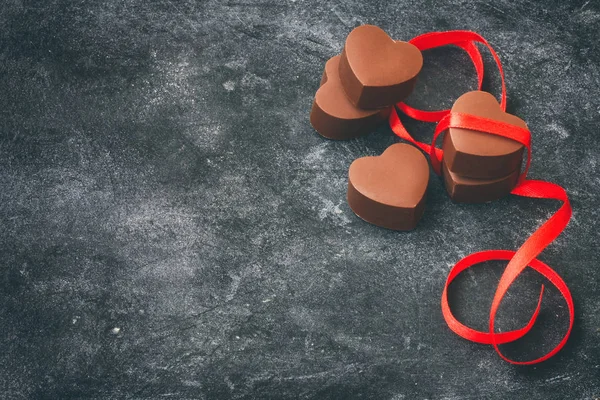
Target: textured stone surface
column 172, row 227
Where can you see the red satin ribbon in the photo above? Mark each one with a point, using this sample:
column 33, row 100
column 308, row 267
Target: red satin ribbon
column 527, row 254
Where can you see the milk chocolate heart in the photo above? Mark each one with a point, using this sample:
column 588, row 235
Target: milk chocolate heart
column 332, row 114
column 389, row 190
column 470, row 190
column 377, row 71
column 482, row 155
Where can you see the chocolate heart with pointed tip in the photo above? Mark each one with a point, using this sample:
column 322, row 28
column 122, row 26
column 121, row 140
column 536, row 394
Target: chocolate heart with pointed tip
column 389, row 190
column 377, row 71
column 482, row 155
column 332, row 114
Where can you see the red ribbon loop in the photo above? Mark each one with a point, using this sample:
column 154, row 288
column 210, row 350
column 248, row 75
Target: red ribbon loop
column 526, row 255
column 465, row 40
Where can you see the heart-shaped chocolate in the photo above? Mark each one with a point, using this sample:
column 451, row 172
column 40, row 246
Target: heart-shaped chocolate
column 332, row 114
column 389, row 190
column 470, row 190
column 482, row 155
column 377, row 71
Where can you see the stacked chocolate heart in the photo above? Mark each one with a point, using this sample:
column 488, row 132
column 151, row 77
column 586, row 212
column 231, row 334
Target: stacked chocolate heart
column 359, row 86
column 477, row 166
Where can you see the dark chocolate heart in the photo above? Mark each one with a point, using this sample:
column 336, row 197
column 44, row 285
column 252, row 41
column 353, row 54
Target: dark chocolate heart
column 482, row 155
column 332, row 114
column 377, row 71
column 389, row 190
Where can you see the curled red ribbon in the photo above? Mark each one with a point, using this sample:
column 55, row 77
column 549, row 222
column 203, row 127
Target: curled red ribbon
column 527, row 254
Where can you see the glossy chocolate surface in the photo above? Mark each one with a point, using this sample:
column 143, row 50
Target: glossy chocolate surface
column 377, row 71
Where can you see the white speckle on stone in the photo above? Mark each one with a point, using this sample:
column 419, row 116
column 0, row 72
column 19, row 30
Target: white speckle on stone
column 230, row 384
column 331, row 209
column 315, row 156
column 235, row 283
column 238, row 64
column 192, row 383
column 589, row 17
column 229, row 86
column 252, row 81
column 559, row 130
column 484, row 364
column 115, row 330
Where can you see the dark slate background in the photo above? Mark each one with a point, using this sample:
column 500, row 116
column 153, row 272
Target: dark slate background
column 172, row 227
